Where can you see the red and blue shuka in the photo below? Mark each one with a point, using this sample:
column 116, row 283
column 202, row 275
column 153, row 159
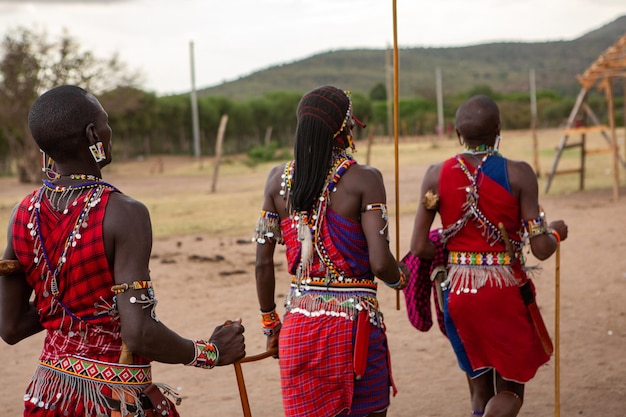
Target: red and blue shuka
column 487, row 321
column 325, row 371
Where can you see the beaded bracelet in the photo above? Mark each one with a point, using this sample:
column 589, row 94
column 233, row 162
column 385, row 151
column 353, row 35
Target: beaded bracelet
column 270, row 322
column 400, row 284
column 206, row 355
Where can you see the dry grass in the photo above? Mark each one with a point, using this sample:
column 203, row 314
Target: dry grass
column 177, row 190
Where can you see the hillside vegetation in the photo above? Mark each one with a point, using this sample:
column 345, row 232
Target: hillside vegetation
column 502, row 66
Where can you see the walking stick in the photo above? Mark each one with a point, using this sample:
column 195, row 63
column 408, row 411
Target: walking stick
column 395, row 135
column 557, row 330
column 241, row 383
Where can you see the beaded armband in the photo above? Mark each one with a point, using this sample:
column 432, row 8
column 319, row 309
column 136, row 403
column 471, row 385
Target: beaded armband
column 536, row 226
column 148, row 301
column 400, row 284
column 383, row 213
column 268, row 227
column 206, row 355
column 270, row 322
column 135, row 285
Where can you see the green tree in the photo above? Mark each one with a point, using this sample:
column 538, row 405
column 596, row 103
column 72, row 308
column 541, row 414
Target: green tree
column 31, row 64
column 378, row 92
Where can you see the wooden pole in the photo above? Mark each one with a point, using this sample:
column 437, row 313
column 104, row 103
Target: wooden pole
column 611, row 110
column 395, row 136
column 218, row 150
column 194, row 104
column 389, row 80
column 557, row 332
column 439, row 87
column 533, row 121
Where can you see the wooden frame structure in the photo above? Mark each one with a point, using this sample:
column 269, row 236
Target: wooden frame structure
column 609, row 66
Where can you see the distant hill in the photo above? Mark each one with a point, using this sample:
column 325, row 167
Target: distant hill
column 502, row 66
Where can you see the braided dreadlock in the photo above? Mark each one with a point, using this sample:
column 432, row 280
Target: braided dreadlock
column 323, row 115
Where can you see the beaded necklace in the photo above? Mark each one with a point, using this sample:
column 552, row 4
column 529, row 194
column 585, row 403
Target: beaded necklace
column 470, row 207
column 49, row 271
column 309, row 222
column 482, row 148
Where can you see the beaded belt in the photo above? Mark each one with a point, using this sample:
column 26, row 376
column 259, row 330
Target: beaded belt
column 110, row 373
column 345, row 285
column 478, row 258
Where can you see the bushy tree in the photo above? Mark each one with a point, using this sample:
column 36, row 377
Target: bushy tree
column 31, row 64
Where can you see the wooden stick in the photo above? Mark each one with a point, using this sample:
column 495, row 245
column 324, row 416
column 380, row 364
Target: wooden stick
column 241, row 383
column 10, row 267
column 243, row 394
column 395, row 135
column 557, row 331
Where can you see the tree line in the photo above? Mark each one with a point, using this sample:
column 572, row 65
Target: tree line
column 146, row 124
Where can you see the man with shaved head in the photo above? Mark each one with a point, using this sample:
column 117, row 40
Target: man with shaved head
column 84, row 250
column 489, row 210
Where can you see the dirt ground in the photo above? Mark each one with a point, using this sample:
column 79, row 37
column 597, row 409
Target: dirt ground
column 203, row 279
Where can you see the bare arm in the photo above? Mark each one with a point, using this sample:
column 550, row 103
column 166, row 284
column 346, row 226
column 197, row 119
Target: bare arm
column 128, row 240
column 264, row 266
column 18, row 316
column 372, row 188
column 524, row 185
column 421, row 245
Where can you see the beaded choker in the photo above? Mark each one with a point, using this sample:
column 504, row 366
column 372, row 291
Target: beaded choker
column 490, row 150
column 83, row 177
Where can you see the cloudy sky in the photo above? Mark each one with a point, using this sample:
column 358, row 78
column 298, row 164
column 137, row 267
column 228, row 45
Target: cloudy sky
column 233, row 38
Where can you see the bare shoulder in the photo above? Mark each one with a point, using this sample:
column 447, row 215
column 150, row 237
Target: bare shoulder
column 120, row 202
column 274, row 178
column 520, row 171
column 522, row 178
column 126, row 213
column 431, row 176
column 364, row 173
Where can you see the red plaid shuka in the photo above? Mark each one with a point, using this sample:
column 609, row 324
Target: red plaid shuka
column 317, row 338
column 81, row 321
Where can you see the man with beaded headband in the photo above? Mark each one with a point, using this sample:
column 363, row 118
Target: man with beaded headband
column 330, row 213
column 482, row 199
column 85, row 247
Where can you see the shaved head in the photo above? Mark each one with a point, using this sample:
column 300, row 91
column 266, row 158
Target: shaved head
column 478, row 120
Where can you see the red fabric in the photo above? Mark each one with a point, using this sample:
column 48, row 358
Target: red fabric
column 495, row 202
column 495, row 328
column 343, row 240
column 84, row 282
column 493, row 323
column 315, row 365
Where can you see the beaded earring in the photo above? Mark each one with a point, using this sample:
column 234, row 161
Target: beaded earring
column 97, row 151
column 48, row 166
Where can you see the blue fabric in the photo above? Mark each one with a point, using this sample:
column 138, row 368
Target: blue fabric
column 495, row 168
column 457, row 344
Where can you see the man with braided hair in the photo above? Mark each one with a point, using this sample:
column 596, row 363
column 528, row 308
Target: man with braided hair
column 488, row 298
column 331, row 214
column 84, row 248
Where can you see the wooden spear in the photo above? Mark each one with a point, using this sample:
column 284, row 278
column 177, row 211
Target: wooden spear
column 395, row 136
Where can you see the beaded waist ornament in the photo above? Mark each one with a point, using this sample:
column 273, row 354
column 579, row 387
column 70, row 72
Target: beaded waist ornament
column 316, row 297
